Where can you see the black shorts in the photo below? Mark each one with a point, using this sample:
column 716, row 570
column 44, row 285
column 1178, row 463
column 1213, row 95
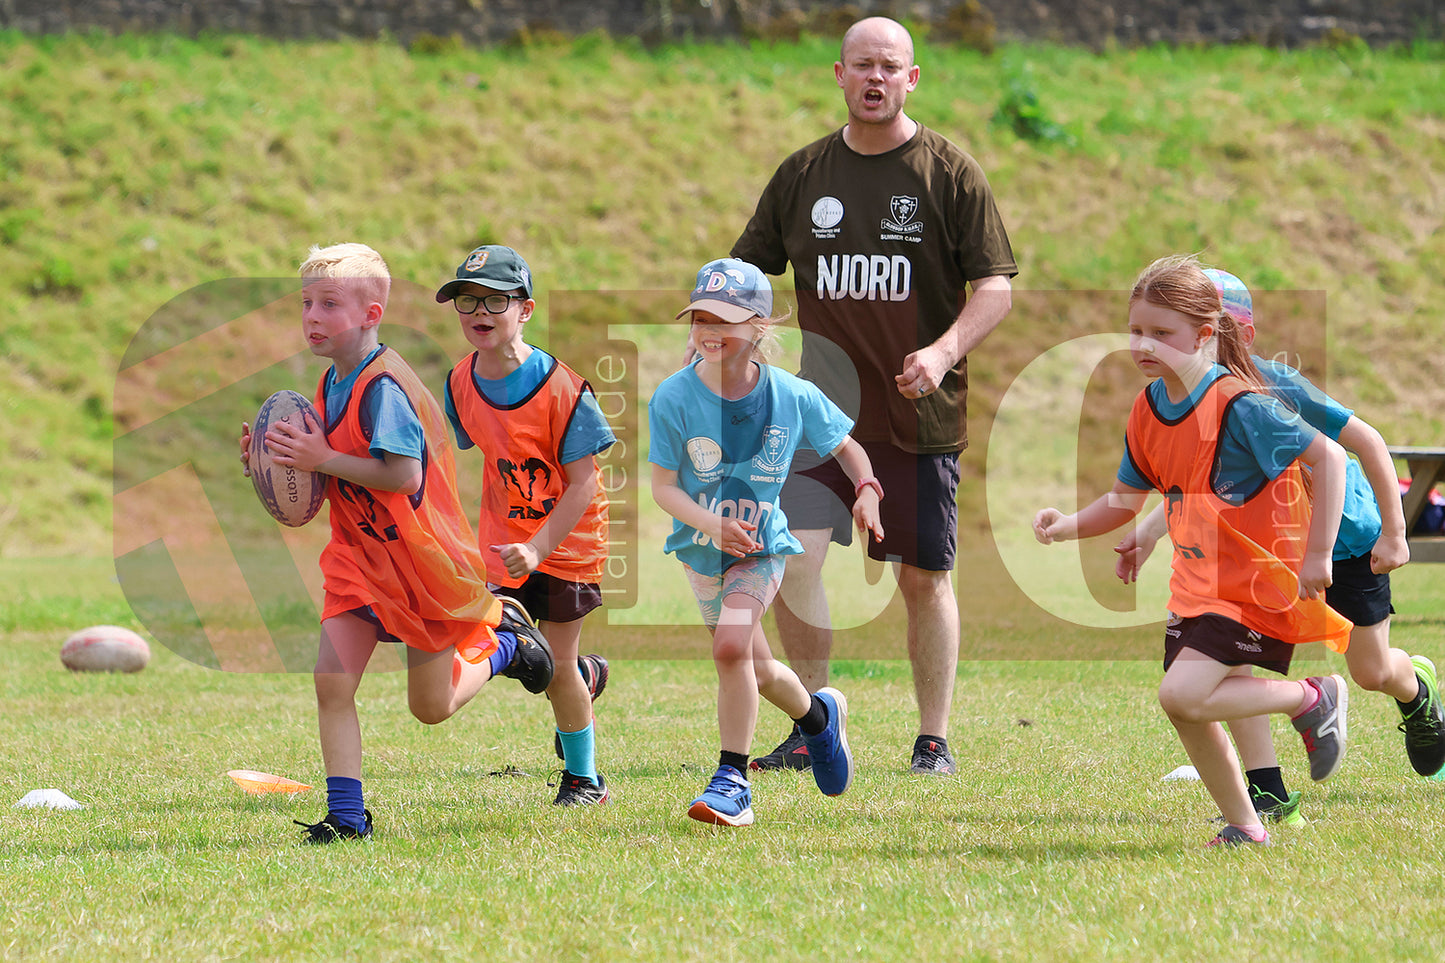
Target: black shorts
column 1225, row 641
column 550, row 599
column 1358, row 593
column 919, row 510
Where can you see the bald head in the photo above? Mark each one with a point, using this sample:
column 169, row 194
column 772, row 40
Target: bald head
column 877, row 31
column 876, row 73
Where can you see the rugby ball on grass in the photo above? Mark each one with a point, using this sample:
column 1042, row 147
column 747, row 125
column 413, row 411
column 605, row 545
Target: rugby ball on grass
column 105, row 648
column 292, row 496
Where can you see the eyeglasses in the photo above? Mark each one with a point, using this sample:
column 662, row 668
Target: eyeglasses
column 494, row 303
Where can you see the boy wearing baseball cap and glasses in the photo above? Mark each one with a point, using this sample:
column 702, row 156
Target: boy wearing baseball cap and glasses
column 543, row 525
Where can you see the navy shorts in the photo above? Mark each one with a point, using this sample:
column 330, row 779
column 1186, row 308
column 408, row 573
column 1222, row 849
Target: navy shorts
column 550, row 599
column 1358, row 593
column 1225, row 641
column 919, row 510
column 367, row 614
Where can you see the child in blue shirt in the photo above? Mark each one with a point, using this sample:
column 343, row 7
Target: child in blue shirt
column 723, row 433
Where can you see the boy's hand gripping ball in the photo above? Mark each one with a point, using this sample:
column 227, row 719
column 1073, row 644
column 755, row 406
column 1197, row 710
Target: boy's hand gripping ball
column 291, row 495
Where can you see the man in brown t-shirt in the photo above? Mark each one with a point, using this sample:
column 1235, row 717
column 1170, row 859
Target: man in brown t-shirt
column 886, row 224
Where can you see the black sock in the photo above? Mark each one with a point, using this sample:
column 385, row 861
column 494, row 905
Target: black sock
column 1266, row 781
column 926, row 739
column 815, row 720
column 738, row 760
column 1407, row 709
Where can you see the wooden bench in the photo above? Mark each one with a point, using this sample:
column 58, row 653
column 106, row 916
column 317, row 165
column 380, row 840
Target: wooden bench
column 1427, row 468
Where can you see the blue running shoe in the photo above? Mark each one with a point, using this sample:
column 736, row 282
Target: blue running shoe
column 832, row 759
column 727, row 802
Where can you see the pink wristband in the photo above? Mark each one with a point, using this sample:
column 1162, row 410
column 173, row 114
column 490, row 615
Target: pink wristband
column 869, row 482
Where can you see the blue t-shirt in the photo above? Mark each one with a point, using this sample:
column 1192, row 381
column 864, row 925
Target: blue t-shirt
column 1260, row 438
column 732, row 457
column 1360, row 524
column 587, row 434
column 387, row 414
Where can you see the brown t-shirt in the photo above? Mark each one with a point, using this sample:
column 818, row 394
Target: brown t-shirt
column 882, row 246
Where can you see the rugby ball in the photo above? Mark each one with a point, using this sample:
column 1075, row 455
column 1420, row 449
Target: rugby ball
column 105, row 648
column 292, row 496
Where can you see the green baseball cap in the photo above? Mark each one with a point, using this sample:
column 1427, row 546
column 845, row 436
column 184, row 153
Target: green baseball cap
column 492, row 266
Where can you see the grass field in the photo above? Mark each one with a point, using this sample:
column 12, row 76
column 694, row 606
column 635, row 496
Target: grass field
column 1057, row 840
column 152, row 180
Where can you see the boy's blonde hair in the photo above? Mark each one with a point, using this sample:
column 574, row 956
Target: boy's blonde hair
column 349, row 261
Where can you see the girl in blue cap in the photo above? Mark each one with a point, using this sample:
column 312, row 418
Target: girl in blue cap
column 723, row 433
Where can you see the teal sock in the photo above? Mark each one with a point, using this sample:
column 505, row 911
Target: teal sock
column 506, row 649
column 579, row 750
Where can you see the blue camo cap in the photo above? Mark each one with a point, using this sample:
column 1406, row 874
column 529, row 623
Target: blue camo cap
column 1234, row 294
column 735, row 291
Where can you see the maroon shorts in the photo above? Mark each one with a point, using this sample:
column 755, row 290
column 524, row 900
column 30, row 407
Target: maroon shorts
column 1225, row 641
column 550, row 599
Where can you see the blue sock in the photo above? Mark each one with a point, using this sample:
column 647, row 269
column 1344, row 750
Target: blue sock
column 343, row 799
column 506, row 649
column 579, row 750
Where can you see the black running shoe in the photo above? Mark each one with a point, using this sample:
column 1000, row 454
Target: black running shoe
column 332, row 830
column 581, row 791
column 1424, row 728
column 532, row 664
column 594, row 675
column 931, row 758
column 792, row 753
column 594, row 671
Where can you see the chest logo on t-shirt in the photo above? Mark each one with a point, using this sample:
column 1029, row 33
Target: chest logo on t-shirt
column 704, row 453
column 773, row 456
column 903, row 208
column 827, row 214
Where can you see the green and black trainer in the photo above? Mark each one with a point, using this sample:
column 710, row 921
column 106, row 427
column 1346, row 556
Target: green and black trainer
column 1424, row 728
column 1272, row 809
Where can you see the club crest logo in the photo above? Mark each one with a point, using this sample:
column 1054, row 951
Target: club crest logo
column 774, row 453
column 476, row 261
column 704, row 453
column 903, row 208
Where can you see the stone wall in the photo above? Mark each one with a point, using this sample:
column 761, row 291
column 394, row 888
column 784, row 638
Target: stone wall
column 1093, row 23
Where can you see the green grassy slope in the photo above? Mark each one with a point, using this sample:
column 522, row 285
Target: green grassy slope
column 136, row 169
